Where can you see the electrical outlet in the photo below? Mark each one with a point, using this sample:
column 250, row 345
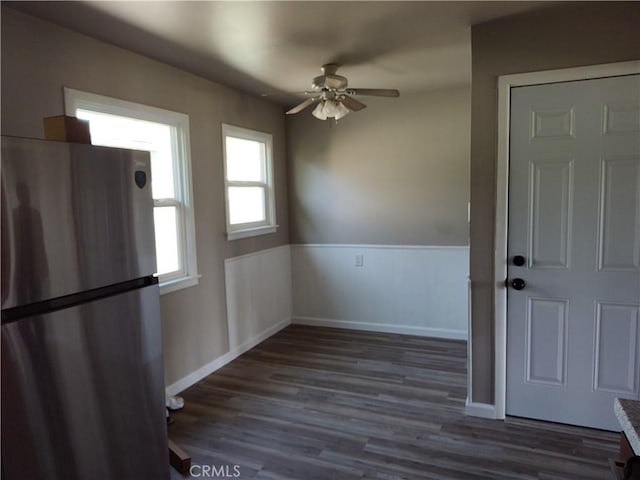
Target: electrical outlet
column 359, row 260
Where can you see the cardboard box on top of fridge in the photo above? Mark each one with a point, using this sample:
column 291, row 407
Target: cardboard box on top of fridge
column 67, row 129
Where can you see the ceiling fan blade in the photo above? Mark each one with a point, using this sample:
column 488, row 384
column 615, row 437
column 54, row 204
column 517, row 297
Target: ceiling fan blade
column 351, row 103
column 376, row 92
column 302, row 106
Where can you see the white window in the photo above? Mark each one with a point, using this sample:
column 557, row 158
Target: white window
column 248, row 172
column 165, row 134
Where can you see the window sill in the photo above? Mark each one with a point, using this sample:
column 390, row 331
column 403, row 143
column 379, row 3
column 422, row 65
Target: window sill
column 251, row 232
column 178, row 284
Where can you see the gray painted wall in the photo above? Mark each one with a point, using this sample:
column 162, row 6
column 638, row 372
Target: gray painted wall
column 556, row 37
column 395, row 173
column 39, row 58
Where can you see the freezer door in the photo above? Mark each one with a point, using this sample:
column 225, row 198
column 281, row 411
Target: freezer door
column 74, row 217
column 83, row 392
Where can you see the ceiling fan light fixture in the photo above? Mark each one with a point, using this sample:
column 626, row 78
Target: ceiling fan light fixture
column 318, row 112
column 330, row 109
column 341, row 111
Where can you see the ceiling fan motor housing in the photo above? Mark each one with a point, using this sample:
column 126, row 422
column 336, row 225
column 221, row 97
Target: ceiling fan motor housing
column 330, row 81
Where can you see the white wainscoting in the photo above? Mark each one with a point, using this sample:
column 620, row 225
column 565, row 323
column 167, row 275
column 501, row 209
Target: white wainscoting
column 258, row 290
column 419, row 290
column 258, row 294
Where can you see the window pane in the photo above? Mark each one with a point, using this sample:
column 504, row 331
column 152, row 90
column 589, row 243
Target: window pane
column 166, row 239
column 245, row 160
column 124, row 132
column 246, row 205
column 162, row 184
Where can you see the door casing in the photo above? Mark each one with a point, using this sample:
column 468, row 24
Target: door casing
column 505, row 83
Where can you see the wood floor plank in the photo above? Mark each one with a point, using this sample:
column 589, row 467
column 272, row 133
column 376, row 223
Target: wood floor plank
column 314, row 403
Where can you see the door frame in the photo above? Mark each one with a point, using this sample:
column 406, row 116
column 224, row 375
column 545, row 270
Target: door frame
column 505, row 84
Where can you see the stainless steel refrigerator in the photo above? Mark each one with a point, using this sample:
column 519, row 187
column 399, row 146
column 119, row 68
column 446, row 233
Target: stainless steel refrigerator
column 82, row 370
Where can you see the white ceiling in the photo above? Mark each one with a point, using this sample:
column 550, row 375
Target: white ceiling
column 273, row 48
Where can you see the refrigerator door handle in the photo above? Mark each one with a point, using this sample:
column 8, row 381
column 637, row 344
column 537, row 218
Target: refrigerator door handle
column 14, row 314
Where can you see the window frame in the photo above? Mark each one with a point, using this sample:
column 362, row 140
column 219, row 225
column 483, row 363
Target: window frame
column 269, row 224
column 187, row 275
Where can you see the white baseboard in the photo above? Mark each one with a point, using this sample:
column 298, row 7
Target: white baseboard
column 382, row 327
column 482, row 410
column 261, row 337
column 197, row 375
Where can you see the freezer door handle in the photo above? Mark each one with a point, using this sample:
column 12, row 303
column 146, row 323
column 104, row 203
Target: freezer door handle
column 10, row 315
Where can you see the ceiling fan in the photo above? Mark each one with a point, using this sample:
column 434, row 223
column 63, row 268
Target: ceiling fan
column 333, row 96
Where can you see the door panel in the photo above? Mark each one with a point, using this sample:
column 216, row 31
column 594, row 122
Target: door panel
column 621, row 118
column 546, row 339
column 552, row 123
column 574, row 212
column 616, row 355
column 619, row 233
column 550, row 213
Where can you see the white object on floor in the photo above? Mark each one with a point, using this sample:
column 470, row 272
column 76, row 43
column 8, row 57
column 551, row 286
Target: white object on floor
column 174, row 403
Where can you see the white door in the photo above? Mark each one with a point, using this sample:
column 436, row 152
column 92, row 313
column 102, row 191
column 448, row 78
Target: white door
column 573, row 332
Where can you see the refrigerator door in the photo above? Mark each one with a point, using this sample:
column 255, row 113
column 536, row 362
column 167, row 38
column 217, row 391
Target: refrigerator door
column 83, row 393
column 74, row 217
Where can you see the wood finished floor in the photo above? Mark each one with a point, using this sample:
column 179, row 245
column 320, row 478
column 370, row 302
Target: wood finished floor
column 315, row 403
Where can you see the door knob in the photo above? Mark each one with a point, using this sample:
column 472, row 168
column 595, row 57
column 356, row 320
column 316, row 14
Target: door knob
column 519, row 260
column 518, row 283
